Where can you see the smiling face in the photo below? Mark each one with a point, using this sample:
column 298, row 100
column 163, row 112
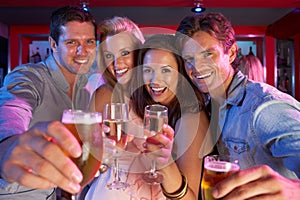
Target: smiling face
column 206, row 63
column 160, row 75
column 76, row 48
column 118, row 52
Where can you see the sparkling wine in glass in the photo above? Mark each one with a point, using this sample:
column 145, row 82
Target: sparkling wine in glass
column 85, row 126
column 115, row 116
column 155, row 116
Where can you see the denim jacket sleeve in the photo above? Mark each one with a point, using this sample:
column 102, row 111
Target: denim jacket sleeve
column 277, row 123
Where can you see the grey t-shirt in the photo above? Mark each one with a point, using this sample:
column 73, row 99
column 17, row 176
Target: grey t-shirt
column 34, row 93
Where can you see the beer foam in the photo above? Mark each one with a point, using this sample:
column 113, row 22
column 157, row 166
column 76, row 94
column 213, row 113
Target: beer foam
column 80, row 117
column 221, row 166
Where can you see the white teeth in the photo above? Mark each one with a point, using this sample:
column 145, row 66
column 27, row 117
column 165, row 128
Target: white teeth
column 121, row 71
column 158, row 89
column 81, row 61
column 204, row 76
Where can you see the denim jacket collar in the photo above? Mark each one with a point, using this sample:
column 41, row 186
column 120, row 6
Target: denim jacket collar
column 237, row 89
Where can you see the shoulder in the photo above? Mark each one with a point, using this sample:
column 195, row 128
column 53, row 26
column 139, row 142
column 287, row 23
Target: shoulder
column 103, row 95
column 257, row 93
column 26, row 73
column 103, row 89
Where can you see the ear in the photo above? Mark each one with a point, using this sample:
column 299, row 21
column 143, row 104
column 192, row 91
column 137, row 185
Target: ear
column 53, row 44
column 233, row 52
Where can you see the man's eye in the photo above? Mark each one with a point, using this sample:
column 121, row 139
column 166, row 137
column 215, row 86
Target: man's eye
column 91, row 42
column 207, row 54
column 71, row 42
column 166, row 70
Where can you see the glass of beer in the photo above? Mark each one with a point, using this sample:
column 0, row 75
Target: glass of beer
column 216, row 168
column 85, row 126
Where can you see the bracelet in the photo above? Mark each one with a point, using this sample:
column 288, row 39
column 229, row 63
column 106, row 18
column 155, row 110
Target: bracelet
column 180, row 193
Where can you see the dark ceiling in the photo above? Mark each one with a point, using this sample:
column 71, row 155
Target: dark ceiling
column 150, row 12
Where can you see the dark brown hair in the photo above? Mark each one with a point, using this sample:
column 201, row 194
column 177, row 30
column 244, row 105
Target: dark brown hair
column 215, row 24
column 62, row 16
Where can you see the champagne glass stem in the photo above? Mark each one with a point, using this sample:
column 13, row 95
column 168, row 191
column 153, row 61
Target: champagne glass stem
column 153, row 168
column 116, row 170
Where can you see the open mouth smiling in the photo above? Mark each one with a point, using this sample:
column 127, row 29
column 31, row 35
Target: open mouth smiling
column 204, row 76
column 158, row 90
column 120, row 72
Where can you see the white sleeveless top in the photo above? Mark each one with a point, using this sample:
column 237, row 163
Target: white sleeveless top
column 132, row 164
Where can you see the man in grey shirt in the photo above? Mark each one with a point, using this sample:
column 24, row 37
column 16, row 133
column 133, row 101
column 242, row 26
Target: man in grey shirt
column 32, row 140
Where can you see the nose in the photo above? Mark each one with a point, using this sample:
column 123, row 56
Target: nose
column 155, row 77
column 117, row 60
column 81, row 50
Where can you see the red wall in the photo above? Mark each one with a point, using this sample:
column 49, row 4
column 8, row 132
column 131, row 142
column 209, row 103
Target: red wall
column 21, row 33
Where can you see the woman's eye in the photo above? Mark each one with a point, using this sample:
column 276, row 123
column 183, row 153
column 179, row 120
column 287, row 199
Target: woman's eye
column 108, row 56
column 146, row 70
column 125, row 53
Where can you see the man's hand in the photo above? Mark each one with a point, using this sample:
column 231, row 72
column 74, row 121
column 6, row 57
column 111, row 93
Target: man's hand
column 40, row 158
column 259, row 182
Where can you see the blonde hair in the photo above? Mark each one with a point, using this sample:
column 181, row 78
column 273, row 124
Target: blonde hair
column 116, row 24
column 251, row 66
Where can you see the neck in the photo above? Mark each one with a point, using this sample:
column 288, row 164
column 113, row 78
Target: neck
column 71, row 79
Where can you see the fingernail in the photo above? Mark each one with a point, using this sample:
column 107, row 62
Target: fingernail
column 74, row 187
column 75, row 151
column 215, row 193
column 105, row 129
column 77, row 177
column 165, row 126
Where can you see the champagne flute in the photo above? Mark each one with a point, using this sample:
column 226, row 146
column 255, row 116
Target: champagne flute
column 216, row 168
column 116, row 117
column 85, row 126
column 155, row 116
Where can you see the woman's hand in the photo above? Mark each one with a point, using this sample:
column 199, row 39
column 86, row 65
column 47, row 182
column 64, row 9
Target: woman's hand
column 159, row 147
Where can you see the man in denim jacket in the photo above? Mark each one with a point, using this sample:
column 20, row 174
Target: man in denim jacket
column 253, row 122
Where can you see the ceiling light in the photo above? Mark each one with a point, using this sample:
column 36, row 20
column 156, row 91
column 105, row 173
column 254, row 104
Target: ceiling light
column 84, row 5
column 198, row 8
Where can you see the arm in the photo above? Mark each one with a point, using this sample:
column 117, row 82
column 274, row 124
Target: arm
column 28, row 152
column 103, row 96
